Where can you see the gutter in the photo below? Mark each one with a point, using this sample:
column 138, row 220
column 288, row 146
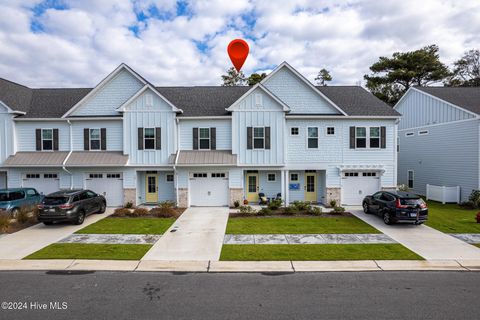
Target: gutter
column 68, row 156
column 176, row 160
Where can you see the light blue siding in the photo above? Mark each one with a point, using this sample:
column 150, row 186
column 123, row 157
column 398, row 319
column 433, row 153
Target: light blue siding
column 447, row 156
column 111, row 96
column 7, row 126
column 26, row 134
column 114, row 133
column 223, row 132
column 420, row 109
column 299, row 195
column 166, row 190
column 268, row 187
column 235, row 178
column 297, row 94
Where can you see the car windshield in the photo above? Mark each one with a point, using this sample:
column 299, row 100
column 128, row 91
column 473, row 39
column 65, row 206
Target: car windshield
column 55, row 200
column 11, row 196
column 411, row 202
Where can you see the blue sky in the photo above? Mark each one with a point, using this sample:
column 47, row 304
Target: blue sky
column 78, row 42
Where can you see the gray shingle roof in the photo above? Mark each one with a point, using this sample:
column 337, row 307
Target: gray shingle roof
column 194, row 101
column 464, row 97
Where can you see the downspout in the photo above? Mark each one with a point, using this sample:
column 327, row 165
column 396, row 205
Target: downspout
column 176, row 160
column 68, row 156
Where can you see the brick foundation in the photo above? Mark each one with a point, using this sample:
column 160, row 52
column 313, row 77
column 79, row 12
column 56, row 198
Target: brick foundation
column 236, row 194
column 182, row 197
column 333, row 194
column 130, row 195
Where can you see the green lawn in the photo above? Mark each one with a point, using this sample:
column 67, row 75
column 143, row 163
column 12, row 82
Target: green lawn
column 301, row 252
column 301, row 225
column 129, row 226
column 92, row 251
column 451, row 218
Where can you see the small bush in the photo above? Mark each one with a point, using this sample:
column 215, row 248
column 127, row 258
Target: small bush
column 264, row 212
column 301, row 205
column 139, row 212
column 34, row 215
column 314, row 210
column 122, row 212
column 23, row 215
column 290, row 210
column 236, row 203
column 246, row 210
column 475, row 198
column 4, row 221
column 129, row 205
column 467, row 205
column 403, row 187
column 165, row 209
column 337, row 210
column 333, row 203
column 275, row 204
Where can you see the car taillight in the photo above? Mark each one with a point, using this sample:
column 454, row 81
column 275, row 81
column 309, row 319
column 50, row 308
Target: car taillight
column 398, row 204
column 40, row 206
column 66, row 206
column 422, row 204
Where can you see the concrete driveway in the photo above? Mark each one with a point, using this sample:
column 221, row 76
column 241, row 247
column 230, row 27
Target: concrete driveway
column 427, row 242
column 196, row 236
column 20, row 244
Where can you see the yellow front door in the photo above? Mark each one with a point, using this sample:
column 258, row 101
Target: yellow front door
column 252, row 187
column 151, row 188
column 311, row 187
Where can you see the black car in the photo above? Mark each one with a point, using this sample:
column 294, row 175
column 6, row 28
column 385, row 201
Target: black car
column 397, row 206
column 71, row 205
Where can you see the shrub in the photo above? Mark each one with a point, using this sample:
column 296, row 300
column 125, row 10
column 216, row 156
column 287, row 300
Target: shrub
column 475, row 198
column 264, row 212
column 139, row 212
column 34, row 215
column 291, row 209
column 403, row 187
column 467, row 205
column 129, row 205
column 337, row 210
column 122, row 212
column 4, row 221
column 333, row 203
column 236, row 203
column 275, row 204
column 23, row 215
column 165, row 209
column 314, row 210
column 301, row 205
column 246, row 210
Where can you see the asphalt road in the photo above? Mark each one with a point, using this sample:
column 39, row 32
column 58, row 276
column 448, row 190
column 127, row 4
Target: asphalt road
column 362, row 295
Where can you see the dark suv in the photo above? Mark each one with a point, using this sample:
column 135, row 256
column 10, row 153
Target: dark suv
column 71, row 205
column 396, row 206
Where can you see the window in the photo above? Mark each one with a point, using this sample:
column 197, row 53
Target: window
column 47, row 139
column 258, row 138
column 31, row 193
column 294, row 177
column 113, row 176
column 218, row 175
column 312, row 137
column 369, row 174
column 258, row 99
column 95, row 139
column 90, row 194
column 33, row 176
column 149, row 100
column 95, row 175
column 377, row 195
column 204, row 138
column 330, row 131
column 50, row 176
column 374, row 137
column 422, row 132
column 351, row 174
column 409, row 134
column 149, row 138
column 200, row 175
column 271, row 177
column 361, row 137
column 169, row 178
column 294, row 131
column 410, row 178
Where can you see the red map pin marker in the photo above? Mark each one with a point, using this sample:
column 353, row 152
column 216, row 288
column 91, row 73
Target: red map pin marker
column 238, row 52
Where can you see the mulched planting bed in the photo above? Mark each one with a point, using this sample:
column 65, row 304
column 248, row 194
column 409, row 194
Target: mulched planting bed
column 284, row 215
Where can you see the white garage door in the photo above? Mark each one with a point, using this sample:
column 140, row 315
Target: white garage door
column 357, row 185
column 45, row 183
column 110, row 185
column 209, row 189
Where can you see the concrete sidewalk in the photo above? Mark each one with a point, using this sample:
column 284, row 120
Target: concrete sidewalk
column 197, row 235
column 20, row 244
column 427, row 242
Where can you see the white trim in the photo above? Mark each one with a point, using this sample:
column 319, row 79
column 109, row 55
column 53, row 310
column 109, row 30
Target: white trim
column 298, row 131
column 332, row 134
column 166, row 177
column 314, row 116
column 439, row 124
column 209, row 138
column 259, row 85
column 10, row 110
column 318, row 137
column 368, row 137
column 274, row 175
column 290, row 177
column 116, row 118
column 305, row 80
column 90, row 139
column 102, row 83
column 253, row 138
column 123, row 107
column 203, row 117
column 41, row 139
column 154, row 139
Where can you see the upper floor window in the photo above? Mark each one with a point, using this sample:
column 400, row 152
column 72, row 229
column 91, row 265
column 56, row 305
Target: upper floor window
column 361, row 137
column 258, row 137
column 374, row 137
column 95, row 138
column 330, row 131
column 47, row 139
column 368, row 137
column 312, row 137
column 149, row 138
column 204, row 138
column 294, row 131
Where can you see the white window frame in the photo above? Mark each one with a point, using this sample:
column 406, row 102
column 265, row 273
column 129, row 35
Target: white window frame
column 45, row 129
column 423, row 132
column 298, row 177
column 166, row 177
column 370, row 137
column 258, row 100
column 253, row 138
column 330, row 134
column 154, row 139
column 413, row 178
column 274, row 177
column 308, row 138
column 99, row 139
column 367, row 137
column 209, row 139
column 298, row 131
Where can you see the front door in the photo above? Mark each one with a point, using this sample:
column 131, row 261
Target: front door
column 252, row 187
column 151, row 188
column 311, row 187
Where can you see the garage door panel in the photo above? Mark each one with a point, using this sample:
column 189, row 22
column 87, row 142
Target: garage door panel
column 209, row 190
column 44, row 183
column 355, row 188
column 110, row 185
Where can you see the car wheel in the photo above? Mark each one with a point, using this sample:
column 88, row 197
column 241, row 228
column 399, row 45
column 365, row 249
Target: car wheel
column 386, row 218
column 103, row 207
column 80, row 218
column 47, row 223
column 366, row 209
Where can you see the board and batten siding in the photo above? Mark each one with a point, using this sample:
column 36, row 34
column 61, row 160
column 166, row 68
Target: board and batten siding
column 447, row 156
column 111, row 96
column 7, row 127
column 268, row 114
column 139, row 114
column 25, row 132
column 420, row 109
column 300, row 97
column 114, row 133
column 223, row 132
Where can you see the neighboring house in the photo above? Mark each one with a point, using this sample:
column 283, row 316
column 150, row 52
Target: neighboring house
column 439, row 138
column 199, row 146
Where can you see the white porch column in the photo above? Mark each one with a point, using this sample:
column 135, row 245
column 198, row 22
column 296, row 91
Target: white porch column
column 282, row 183
column 287, row 195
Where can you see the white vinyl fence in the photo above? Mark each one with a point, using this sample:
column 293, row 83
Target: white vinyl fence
column 443, row 194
